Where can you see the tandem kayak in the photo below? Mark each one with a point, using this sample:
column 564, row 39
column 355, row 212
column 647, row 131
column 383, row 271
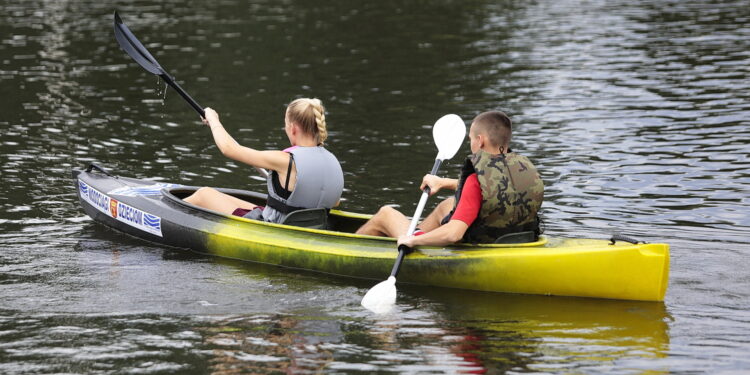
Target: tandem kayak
column 156, row 212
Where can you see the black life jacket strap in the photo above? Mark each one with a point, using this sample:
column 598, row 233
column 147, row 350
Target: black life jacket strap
column 288, row 171
column 281, row 206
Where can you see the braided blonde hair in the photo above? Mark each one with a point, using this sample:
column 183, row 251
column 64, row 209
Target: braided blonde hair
column 310, row 115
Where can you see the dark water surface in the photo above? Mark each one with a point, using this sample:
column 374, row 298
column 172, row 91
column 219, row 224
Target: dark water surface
column 636, row 112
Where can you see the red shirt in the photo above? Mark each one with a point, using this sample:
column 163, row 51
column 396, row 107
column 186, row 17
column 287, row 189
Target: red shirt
column 468, row 206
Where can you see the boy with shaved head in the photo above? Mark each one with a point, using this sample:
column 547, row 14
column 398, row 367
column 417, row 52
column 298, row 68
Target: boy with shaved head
column 498, row 192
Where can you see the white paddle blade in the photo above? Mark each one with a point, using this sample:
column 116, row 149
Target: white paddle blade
column 449, row 132
column 382, row 297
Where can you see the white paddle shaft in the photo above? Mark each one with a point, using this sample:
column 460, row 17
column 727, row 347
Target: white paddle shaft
column 423, row 200
column 417, row 213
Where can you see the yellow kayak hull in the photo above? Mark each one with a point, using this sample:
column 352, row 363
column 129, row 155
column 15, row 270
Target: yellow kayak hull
column 551, row 266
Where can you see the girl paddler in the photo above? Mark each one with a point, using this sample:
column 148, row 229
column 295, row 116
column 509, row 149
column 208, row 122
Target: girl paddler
column 305, row 175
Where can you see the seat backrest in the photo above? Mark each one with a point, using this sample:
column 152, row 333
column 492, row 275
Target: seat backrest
column 519, row 237
column 316, row 218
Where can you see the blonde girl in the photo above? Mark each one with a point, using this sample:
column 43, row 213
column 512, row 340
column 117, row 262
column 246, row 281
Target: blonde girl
column 304, row 175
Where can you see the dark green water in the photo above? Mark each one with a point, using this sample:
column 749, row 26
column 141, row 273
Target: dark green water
column 636, row 113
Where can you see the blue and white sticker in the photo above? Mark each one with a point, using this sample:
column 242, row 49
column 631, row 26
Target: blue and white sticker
column 122, row 212
column 134, row 191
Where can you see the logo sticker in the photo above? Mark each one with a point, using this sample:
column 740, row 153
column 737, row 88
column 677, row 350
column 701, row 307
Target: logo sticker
column 113, row 207
column 120, row 211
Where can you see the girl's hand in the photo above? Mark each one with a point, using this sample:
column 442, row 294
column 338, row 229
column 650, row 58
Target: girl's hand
column 212, row 117
column 434, row 182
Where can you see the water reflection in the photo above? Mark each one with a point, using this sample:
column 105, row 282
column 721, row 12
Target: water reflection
column 521, row 333
column 453, row 330
column 456, row 332
column 525, row 334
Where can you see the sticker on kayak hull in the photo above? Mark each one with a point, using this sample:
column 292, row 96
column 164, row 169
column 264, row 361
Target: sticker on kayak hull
column 134, row 191
column 122, row 212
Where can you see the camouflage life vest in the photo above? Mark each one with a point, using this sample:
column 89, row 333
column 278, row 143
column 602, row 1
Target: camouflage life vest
column 512, row 193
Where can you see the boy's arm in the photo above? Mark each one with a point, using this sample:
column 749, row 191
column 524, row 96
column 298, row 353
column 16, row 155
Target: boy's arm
column 449, row 233
column 436, row 183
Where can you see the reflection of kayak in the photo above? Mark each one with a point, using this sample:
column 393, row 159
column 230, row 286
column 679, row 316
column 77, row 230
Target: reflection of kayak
column 620, row 322
column 570, row 267
column 580, row 331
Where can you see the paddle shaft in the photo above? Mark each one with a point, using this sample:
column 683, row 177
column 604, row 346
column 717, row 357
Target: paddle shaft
column 197, row 107
column 176, row 86
column 403, row 249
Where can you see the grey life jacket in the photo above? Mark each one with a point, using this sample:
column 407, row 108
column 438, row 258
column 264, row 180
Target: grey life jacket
column 320, row 182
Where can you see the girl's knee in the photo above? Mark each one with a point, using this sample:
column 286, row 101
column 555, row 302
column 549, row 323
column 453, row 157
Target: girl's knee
column 205, row 191
column 200, row 196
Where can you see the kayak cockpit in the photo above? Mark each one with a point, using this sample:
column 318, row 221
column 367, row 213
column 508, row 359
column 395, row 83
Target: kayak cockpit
column 342, row 222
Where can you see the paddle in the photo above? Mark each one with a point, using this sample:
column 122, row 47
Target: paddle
column 133, row 47
column 449, row 132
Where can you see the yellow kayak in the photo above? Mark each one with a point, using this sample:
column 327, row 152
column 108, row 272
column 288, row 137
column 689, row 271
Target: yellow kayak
column 550, row 266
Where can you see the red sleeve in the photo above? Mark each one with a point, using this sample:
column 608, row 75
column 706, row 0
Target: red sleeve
column 468, row 206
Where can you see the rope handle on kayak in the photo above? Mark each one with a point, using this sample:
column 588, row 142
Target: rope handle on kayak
column 93, row 166
column 620, row 237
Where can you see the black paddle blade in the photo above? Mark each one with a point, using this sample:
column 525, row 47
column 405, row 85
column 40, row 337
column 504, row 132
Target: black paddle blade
column 130, row 44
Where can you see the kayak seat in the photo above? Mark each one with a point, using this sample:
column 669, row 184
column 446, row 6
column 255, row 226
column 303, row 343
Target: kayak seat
column 519, row 237
column 316, row 218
